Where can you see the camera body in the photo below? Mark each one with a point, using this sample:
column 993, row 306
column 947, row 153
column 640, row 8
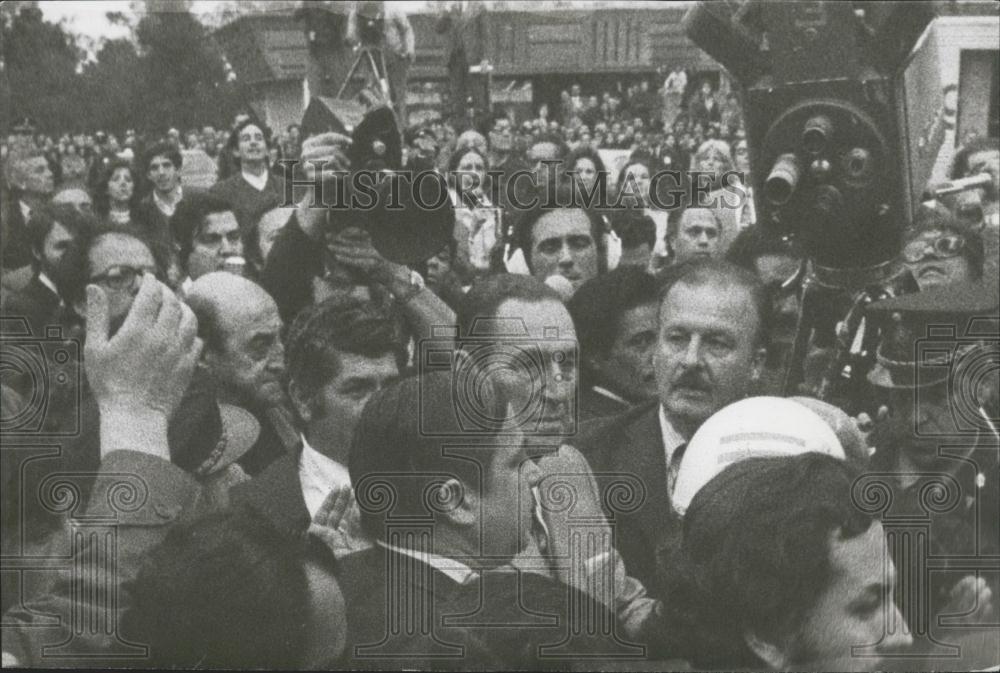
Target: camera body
column 46, row 372
column 499, row 377
column 825, row 116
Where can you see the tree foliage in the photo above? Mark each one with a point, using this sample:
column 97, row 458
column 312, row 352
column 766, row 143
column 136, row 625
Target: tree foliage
column 171, row 74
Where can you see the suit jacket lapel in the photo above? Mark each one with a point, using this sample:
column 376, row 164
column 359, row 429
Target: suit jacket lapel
column 276, row 494
column 645, row 457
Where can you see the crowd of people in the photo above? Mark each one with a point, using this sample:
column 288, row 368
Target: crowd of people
column 493, row 433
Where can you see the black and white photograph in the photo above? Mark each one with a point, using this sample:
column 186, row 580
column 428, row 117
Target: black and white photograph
column 498, row 335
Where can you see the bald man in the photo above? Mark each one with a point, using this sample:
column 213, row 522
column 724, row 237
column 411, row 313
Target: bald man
column 240, row 325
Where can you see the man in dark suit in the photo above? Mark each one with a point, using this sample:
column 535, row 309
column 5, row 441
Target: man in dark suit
column 31, row 184
column 339, row 353
column 710, row 351
column 52, row 233
column 449, row 511
column 615, row 319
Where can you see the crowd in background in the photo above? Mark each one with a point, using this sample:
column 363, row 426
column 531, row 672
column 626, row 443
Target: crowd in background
column 270, row 374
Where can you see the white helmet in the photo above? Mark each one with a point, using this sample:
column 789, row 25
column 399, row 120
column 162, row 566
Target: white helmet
column 751, row 428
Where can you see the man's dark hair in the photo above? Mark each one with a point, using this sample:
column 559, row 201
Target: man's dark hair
column 484, row 298
column 704, row 272
column 234, row 136
column 394, row 453
column 553, row 138
column 162, row 149
column 341, row 324
column 634, row 227
column 545, row 200
column 45, row 217
column 597, row 307
column 189, row 217
column 224, row 591
column 747, row 565
column 755, row 242
column 960, row 164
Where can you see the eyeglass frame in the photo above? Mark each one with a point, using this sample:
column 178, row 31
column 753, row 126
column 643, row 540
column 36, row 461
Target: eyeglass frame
column 136, row 272
column 931, row 248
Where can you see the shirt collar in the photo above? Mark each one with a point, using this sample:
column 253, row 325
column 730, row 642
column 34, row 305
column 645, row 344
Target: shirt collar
column 167, row 206
column 258, row 182
column 25, row 210
column 319, row 475
column 604, row 392
column 671, row 438
column 454, row 570
column 47, row 282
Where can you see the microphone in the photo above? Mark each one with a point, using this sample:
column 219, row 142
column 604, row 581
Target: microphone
column 561, row 285
column 955, row 186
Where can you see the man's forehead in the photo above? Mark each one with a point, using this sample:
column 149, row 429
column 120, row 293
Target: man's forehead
column 112, row 250
column 250, row 130
column 218, row 223
column 541, row 319
column 702, row 216
column 356, row 365
column 251, row 314
column 562, row 222
column 708, row 301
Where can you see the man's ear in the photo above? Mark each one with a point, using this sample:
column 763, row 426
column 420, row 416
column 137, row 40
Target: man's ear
column 769, row 653
column 757, row 363
column 457, row 502
column 300, row 401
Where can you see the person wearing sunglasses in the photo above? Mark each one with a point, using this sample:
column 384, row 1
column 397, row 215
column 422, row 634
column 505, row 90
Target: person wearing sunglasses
column 942, row 253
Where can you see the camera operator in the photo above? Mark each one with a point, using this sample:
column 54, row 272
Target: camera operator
column 940, row 433
column 373, row 23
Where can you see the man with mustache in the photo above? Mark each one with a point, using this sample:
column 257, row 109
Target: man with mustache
column 710, row 351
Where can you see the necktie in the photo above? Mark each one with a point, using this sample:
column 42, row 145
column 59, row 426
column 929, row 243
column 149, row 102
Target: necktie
column 675, row 468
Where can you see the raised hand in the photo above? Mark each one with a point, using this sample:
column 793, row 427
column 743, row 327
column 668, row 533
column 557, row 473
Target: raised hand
column 147, row 365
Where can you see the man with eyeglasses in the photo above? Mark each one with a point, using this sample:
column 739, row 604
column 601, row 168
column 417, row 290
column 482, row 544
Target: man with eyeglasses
column 938, row 251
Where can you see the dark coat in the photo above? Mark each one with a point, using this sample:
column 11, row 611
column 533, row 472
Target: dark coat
column 276, row 495
column 630, row 446
column 78, row 620
column 595, row 405
column 294, row 260
column 249, row 203
column 36, row 303
column 505, row 620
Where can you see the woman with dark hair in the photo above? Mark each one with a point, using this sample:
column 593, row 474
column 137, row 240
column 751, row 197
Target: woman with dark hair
column 634, row 191
column 477, row 220
column 115, row 195
column 585, row 163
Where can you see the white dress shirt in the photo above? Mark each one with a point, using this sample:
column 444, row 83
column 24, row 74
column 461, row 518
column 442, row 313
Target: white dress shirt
column 672, row 440
column 168, row 207
column 258, row 182
column 319, row 475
